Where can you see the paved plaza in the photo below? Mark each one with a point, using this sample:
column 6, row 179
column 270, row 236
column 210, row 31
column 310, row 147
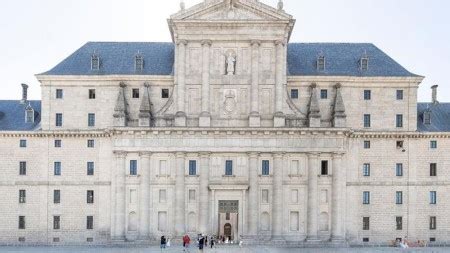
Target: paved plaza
column 257, row 249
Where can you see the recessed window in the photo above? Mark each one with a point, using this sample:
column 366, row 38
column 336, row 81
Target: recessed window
column 433, row 169
column 433, row 144
column 133, row 167
column 56, row 196
column 365, row 239
column 23, row 143
column 56, row 239
column 164, row 93
column 90, row 222
column 91, row 119
column 294, row 93
column 57, row 168
column 90, row 143
column 265, row 170
column 399, row 169
column 366, row 120
column 90, row 168
column 95, row 62
column 366, row 144
column 29, row 115
column 21, row 222
column 321, row 63
column 59, row 120
column 162, row 196
column 398, row 197
column 366, row 197
column 139, row 63
column 399, row 144
column 367, row 94
column 433, row 197
column 427, row 117
column 135, row 93
column 399, row 120
column 366, row 170
column 57, row 223
column 21, row 239
column 90, row 197
column 399, row 94
column 192, row 167
column 22, row 196
column 399, row 223
column 89, row 239
column 59, row 94
column 58, row 143
column 366, row 223
column 91, row 93
column 23, row 168
column 227, row 216
column 433, row 223
column 228, row 167
column 324, row 94
column 364, row 63
column 324, row 168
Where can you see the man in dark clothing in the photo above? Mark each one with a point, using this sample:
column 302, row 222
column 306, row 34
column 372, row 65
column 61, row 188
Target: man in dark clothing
column 201, row 243
column 163, row 243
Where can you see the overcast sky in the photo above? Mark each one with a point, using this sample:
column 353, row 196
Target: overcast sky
column 36, row 35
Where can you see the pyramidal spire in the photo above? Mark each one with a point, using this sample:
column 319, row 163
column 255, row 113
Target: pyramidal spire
column 314, row 108
column 339, row 116
column 120, row 110
column 145, row 114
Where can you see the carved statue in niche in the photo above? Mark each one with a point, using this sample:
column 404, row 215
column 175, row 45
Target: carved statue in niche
column 230, row 62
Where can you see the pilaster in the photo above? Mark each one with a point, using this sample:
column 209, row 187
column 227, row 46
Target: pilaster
column 255, row 118
column 180, row 223
column 119, row 210
column 144, row 196
column 253, row 205
column 180, row 116
column 312, row 224
column 277, row 226
column 338, row 199
column 205, row 116
column 279, row 117
column 204, row 212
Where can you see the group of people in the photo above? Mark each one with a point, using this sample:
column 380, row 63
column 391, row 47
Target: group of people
column 202, row 242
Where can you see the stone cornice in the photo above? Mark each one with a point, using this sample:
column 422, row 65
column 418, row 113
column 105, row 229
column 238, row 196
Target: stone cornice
column 399, row 135
column 56, row 134
column 344, row 80
column 117, row 78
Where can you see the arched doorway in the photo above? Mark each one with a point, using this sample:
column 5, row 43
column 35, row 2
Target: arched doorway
column 227, row 231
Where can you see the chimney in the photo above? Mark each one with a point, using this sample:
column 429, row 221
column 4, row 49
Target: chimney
column 434, row 94
column 24, row 93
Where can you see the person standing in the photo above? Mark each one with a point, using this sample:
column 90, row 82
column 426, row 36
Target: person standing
column 211, row 241
column 186, row 242
column 163, row 243
column 201, row 243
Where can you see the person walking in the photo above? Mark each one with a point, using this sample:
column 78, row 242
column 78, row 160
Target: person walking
column 163, row 243
column 201, row 243
column 211, row 241
column 186, row 242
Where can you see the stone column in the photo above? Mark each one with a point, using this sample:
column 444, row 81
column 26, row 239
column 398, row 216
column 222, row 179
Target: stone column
column 277, row 207
column 253, row 198
column 255, row 118
column 312, row 228
column 180, row 223
column 119, row 233
column 205, row 116
column 204, row 214
column 279, row 118
column 180, row 117
column 144, row 196
column 338, row 199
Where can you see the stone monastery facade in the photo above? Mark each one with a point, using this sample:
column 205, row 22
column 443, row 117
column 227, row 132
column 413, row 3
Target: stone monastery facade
column 230, row 130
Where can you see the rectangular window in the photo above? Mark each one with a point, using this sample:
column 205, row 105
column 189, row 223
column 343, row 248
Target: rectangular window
column 366, row 170
column 433, row 144
column 294, row 93
column 21, row 222
column 399, row 94
column 399, row 223
column 56, row 222
column 90, row 168
column 399, row 120
column 133, row 167
column 265, row 168
column 90, row 222
column 324, row 94
column 399, row 169
column 366, row 120
column 90, row 197
column 58, row 143
column 399, row 144
column 367, row 94
column 192, row 168
column 162, row 196
column 90, row 143
column 432, row 239
column 59, row 120
column 91, row 119
column 265, row 196
column 365, row 239
column 191, row 196
column 135, row 93
column 433, row 169
column 22, row 196
column 56, row 196
column 23, row 143
column 59, row 93
column 91, row 93
column 23, row 168
column 324, row 168
column 432, row 222
column 399, row 198
column 366, row 144
column 229, row 168
column 433, row 197
column 164, row 93
column 57, row 168
column 366, row 223
column 366, row 197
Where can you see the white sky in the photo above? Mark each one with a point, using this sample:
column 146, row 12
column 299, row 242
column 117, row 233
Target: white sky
column 36, row 35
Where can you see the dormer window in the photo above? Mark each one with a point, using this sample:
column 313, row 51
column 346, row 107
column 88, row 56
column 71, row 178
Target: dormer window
column 139, row 63
column 364, row 63
column 427, row 117
column 321, row 63
column 29, row 114
column 95, row 62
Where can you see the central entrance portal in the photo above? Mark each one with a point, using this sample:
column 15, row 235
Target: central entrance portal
column 228, row 220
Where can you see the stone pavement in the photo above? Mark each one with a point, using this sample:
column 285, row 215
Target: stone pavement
column 228, row 249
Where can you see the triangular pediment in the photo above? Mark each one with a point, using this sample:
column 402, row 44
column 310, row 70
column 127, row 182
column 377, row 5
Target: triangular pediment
column 228, row 10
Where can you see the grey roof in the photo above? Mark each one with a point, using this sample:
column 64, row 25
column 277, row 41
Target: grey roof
column 12, row 115
column 440, row 117
column 341, row 59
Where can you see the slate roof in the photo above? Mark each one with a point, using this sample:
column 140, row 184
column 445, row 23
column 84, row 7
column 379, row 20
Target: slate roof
column 440, row 117
column 342, row 59
column 12, row 115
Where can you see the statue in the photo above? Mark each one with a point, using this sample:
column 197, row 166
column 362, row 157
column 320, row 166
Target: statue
column 230, row 63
